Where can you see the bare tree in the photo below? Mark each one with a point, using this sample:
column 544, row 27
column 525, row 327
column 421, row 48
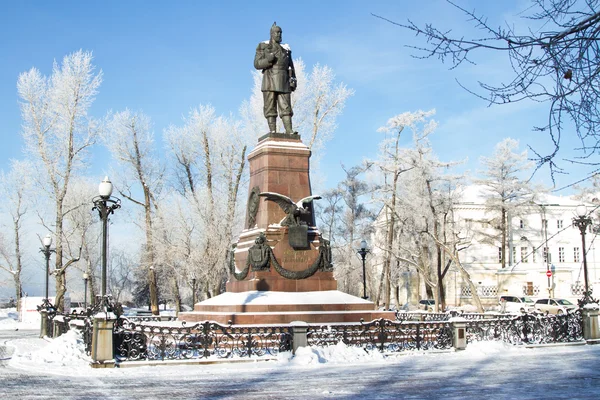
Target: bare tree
column 57, row 131
column 130, row 140
column 392, row 166
column 554, row 60
column 353, row 224
column 121, row 275
column 209, row 154
column 15, row 185
column 506, row 194
column 415, row 225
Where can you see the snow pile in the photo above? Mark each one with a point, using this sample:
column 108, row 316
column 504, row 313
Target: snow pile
column 9, row 320
column 338, row 354
column 65, row 350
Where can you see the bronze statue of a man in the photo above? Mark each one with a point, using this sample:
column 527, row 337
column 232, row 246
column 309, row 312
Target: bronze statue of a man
column 279, row 79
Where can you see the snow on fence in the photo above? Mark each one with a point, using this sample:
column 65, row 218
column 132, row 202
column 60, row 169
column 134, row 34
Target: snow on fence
column 384, row 335
column 529, row 328
column 149, row 339
column 142, row 341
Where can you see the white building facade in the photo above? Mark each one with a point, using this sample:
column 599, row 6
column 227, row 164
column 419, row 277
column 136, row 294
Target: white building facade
column 541, row 241
column 544, row 253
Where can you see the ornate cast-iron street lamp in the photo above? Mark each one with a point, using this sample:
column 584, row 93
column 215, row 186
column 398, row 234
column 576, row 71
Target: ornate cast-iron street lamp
column 105, row 205
column 582, row 221
column 85, row 282
column 47, row 251
column 46, row 309
column 363, row 251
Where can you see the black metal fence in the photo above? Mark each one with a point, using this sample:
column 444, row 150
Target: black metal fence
column 384, row 335
column 144, row 341
column 148, row 338
column 529, row 329
column 445, row 316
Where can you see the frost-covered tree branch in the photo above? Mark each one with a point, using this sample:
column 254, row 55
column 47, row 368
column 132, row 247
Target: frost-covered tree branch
column 555, row 61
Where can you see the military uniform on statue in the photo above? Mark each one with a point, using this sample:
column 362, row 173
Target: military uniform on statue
column 279, row 79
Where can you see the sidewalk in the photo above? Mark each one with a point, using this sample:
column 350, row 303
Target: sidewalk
column 53, row 370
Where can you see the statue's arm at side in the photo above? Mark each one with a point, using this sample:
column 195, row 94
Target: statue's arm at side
column 292, row 72
column 260, row 60
column 293, row 69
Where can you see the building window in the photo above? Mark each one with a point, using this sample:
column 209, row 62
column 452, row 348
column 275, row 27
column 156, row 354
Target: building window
column 514, row 254
column 545, row 224
column 533, row 255
column 484, row 224
column 524, row 254
column 559, row 224
column 561, row 254
column 576, row 254
column 546, row 255
column 521, row 224
column 529, row 289
column 500, row 254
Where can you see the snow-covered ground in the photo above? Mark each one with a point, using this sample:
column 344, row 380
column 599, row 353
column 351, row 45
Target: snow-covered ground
column 59, row 368
column 9, row 320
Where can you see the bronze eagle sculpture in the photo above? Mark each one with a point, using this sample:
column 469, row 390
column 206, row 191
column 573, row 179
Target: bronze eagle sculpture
column 293, row 211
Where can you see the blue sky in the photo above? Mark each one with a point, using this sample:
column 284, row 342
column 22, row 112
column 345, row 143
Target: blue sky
column 167, row 57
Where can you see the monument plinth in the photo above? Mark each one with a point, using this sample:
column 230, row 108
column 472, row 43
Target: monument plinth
column 272, row 281
column 280, row 164
column 281, row 269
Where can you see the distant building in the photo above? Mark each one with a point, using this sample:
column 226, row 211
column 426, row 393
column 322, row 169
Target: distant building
column 540, row 239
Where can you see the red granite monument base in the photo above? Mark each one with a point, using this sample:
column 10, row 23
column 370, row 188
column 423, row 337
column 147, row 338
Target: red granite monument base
column 268, row 307
column 280, row 164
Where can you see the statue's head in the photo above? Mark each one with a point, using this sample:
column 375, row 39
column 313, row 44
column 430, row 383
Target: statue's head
column 276, row 33
column 261, row 239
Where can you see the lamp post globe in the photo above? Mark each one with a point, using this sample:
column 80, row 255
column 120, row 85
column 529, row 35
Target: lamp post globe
column 105, row 188
column 581, row 210
column 47, row 241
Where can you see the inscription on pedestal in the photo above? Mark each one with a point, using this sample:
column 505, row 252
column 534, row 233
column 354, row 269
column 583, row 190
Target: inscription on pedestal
column 298, row 236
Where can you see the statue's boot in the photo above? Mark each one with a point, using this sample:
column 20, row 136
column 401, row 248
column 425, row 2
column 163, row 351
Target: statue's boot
column 272, row 121
column 287, row 123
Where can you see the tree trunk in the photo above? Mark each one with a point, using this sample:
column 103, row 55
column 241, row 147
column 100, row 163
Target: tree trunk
column 19, row 265
column 153, row 291
column 504, row 237
column 177, row 294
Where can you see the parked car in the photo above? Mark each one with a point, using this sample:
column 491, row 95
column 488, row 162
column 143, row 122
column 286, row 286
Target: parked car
column 554, row 306
column 515, row 304
column 77, row 307
column 427, row 304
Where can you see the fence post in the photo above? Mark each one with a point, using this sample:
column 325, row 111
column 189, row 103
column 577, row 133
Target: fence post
column 591, row 329
column 44, row 321
column 299, row 337
column 459, row 332
column 102, row 340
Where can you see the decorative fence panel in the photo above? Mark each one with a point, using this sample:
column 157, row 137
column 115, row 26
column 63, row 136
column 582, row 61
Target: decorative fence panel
column 528, row 329
column 144, row 341
column 384, row 335
column 482, row 291
column 428, row 316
